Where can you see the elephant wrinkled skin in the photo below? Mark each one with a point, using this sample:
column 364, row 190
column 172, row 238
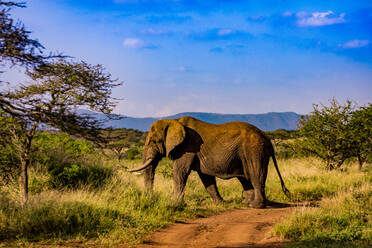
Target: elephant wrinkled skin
column 234, row 149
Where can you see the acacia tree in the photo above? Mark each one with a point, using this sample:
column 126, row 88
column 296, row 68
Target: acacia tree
column 57, row 91
column 58, row 88
column 328, row 133
column 361, row 128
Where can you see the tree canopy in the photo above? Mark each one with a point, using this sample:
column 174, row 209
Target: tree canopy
column 57, row 89
column 337, row 132
column 16, row 46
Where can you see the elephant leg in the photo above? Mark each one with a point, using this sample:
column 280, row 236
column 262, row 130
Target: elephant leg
column 210, row 185
column 181, row 171
column 258, row 173
column 248, row 190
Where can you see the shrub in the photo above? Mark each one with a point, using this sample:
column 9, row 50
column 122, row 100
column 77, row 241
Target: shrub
column 75, row 175
column 133, row 153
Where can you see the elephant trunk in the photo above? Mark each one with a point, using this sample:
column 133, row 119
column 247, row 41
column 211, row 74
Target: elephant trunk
column 149, row 176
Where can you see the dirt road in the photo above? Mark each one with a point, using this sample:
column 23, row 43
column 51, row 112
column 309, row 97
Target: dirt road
column 236, row 228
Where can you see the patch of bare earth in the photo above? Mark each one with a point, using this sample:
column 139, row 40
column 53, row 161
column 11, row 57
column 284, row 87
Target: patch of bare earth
column 236, row 228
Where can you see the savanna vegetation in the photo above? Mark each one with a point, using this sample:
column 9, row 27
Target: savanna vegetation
column 64, row 181
column 81, row 193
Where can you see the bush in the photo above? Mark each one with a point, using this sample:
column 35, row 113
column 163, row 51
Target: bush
column 133, row 153
column 47, row 144
column 75, row 175
column 69, row 163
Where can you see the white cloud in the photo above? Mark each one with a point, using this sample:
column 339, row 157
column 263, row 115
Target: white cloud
column 355, row 44
column 305, row 19
column 133, row 43
column 223, row 32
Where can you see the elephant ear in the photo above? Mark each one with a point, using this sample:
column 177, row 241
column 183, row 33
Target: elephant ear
column 175, row 135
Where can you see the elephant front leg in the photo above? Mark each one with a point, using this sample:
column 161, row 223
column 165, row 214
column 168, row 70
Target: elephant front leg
column 181, row 171
column 248, row 190
column 210, row 185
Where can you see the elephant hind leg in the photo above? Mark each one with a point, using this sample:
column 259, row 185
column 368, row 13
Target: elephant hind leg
column 248, row 190
column 210, row 185
column 258, row 170
column 256, row 166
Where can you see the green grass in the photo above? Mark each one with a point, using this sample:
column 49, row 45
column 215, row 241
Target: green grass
column 120, row 211
column 343, row 218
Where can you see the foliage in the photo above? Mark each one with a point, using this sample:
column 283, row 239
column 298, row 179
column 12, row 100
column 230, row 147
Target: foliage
column 58, row 89
column 361, row 129
column 53, row 98
column 48, row 142
column 280, row 135
column 120, row 141
column 76, row 175
column 68, row 161
column 16, row 45
column 133, row 153
column 9, row 160
column 327, row 133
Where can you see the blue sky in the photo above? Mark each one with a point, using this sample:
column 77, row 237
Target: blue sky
column 232, row 56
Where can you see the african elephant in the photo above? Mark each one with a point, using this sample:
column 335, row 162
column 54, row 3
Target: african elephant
column 235, row 149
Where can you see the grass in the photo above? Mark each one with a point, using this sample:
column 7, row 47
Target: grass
column 120, row 211
column 343, row 218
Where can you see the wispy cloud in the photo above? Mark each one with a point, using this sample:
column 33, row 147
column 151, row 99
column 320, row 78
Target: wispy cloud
column 220, row 34
column 305, row 19
column 355, row 44
column 135, row 43
column 223, row 32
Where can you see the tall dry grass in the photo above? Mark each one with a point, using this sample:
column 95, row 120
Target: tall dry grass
column 121, row 211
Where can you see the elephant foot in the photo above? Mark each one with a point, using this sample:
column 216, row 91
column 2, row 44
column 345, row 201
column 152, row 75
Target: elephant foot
column 249, row 197
column 256, row 204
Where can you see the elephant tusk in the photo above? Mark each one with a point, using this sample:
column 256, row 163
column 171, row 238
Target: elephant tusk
column 144, row 166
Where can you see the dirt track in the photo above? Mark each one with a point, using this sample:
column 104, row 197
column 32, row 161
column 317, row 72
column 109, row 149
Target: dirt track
column 236, row 228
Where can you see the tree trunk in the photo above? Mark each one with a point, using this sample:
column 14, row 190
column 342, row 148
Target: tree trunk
column 24, row 179
column 360, row 162
column 25, row 161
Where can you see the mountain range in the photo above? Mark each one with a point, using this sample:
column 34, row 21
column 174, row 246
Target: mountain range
column 267, row 122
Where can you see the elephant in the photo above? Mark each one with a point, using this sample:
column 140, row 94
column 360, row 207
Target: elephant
column 230, row 150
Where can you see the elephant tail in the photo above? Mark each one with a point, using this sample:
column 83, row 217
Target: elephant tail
column 285, row 190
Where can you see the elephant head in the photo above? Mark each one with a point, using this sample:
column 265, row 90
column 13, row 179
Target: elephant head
column 164, row 136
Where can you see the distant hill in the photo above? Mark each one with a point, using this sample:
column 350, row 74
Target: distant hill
column 267, row 122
